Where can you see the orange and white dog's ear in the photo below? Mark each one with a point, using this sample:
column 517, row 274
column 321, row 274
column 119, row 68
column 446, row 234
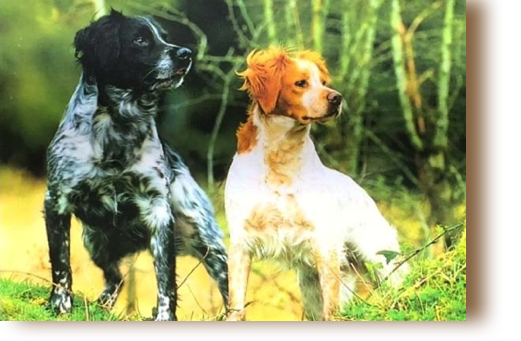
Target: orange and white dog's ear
column 319, row 61
column 262, row 78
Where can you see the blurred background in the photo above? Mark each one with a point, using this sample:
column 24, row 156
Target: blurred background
column 400, row 65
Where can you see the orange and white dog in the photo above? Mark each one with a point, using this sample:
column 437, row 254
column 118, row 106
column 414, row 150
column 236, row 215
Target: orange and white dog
column 283, row 203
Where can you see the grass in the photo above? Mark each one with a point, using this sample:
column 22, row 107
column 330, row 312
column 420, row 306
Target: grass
column 434, row 290
column 26, row 301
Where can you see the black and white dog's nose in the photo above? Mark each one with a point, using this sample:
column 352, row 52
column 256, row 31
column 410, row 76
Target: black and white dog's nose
column 183, row 53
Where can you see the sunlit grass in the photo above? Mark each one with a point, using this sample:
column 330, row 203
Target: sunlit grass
column 26, row 301
column 435, row 290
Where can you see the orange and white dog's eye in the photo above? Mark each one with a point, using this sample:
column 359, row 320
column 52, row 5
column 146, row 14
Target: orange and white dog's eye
column 302, row 83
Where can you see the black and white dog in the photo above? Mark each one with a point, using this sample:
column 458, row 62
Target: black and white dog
column 108, row 167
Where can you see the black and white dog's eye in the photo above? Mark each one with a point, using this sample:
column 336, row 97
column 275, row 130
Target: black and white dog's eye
column 141, row 42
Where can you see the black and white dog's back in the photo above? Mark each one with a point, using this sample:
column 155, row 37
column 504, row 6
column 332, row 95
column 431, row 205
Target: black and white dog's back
column 108, row 167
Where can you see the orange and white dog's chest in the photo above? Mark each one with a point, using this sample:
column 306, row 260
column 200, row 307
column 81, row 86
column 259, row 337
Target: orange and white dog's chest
column 281, row 221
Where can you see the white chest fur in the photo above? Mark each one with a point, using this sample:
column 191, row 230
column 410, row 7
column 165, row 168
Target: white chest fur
column 276, row 217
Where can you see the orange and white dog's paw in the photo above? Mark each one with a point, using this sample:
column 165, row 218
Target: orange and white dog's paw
column 236, row 315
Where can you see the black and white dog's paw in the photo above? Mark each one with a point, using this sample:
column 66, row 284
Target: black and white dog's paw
column 165, row 317
column 107, row 299
column 163, row 314
column 60, row 301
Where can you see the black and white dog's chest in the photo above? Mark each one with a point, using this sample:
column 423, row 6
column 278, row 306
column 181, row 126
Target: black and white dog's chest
column 123, row 205
column 122, row 174
column 112, row 200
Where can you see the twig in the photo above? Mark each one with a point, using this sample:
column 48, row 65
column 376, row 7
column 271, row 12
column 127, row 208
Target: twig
column 193, row 269
column 361, row 277
column 196, row 301
column 116, row 292
column 35, row 276
column 228, row 78
column 292, row 296
column 243, row 40
column 246, row 16
column 414, row 287
column 322, row 151
column 393, row 157
column 67, row 290
column 87, row 318
column 226, row 58
column 204, row 99
column 417, row 251
column 347, row 286
column 423, row 15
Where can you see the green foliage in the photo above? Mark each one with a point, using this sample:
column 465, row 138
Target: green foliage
column 389, row 255
column 434, row 290
column 38, row 75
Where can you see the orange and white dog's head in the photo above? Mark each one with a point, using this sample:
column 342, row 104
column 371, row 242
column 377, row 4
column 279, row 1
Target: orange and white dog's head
column 294, row 86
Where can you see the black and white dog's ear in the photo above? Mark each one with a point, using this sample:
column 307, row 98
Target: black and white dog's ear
column 97, row 45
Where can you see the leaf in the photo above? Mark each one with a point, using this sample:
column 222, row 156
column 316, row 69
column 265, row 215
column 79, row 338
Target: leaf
column 389, row 255
column 372, row 270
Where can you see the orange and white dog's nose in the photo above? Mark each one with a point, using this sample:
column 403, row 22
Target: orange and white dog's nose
column 334, row 98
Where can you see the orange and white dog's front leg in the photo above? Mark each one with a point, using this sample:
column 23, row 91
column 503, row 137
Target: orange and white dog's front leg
column 239, row 264
column 328, row 267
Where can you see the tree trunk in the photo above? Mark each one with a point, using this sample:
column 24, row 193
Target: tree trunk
column 401, row 76
column 431, row 146
column 270, row 22
column 440, row 191
column 359, row 86
column 320, row 10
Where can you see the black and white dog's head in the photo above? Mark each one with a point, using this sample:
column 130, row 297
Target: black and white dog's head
column 131, row 53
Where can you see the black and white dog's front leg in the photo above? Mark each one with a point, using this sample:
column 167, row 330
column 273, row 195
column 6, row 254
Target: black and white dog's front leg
column 58, row 236
column 163, row 251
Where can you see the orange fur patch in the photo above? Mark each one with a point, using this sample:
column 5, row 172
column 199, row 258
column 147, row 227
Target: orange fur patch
column 246, row 136
column 290, row 99
column 284, row 159
column 263, row 76
column 268, row 216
